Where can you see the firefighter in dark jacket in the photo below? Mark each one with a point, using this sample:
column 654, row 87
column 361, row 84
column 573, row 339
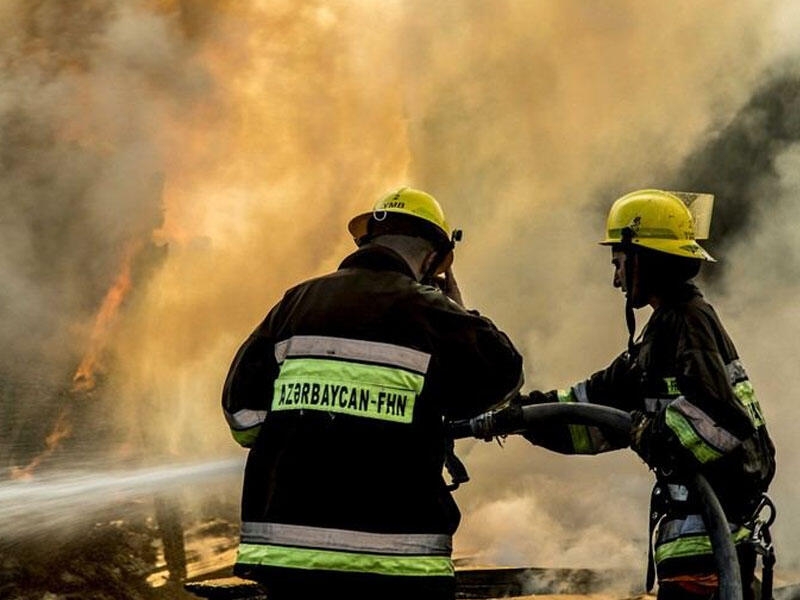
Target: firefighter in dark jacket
column 341, row 394
column 692, row 404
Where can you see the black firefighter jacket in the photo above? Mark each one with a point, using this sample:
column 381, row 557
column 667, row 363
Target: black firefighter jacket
column 340, row 394
column 685, row 374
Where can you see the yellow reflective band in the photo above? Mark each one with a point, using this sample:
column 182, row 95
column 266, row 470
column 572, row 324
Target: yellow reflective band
column 694, row 546
column 689, row 438
column 331, row 560
column 246, row 437
column 672, row 386
column 747, row 396
column 581, row 440
column 566, row 396
column 373, row 391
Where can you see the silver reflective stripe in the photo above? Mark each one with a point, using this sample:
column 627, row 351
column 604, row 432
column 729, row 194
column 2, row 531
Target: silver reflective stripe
column 580, row 392
column 678, row 528
column 656, row 405
column 705, row 426
column 321, row 538
column 245, row 418
column 359, row 350
column 678, row 491
column 736, row 372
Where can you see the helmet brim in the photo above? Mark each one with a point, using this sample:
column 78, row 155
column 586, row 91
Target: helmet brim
column 358, row 225
column 684, row 248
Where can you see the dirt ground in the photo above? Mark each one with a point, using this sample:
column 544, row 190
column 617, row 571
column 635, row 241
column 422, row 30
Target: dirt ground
column 112, row 560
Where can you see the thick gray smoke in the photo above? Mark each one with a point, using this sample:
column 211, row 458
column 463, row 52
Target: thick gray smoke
column 741, row 163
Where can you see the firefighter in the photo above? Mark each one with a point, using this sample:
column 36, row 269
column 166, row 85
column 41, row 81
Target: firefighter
column 692, row 404
column 341, row 393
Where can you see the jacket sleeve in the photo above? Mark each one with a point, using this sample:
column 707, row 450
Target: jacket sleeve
column 707, row 420
column 248, row 388
column 483, row 368
column 616, row 387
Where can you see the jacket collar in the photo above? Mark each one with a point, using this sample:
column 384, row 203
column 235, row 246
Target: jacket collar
column 377, row 258
column 680, row 294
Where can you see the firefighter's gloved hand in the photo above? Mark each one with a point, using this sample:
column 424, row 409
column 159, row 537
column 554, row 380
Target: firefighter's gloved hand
column 451, row 289
column 537, row 433
column 655, row 443
column 642, row 436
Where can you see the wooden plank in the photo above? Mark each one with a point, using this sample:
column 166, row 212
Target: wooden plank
column 228, row 588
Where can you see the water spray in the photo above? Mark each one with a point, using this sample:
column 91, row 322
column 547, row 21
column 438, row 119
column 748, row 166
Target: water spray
column 58, row 500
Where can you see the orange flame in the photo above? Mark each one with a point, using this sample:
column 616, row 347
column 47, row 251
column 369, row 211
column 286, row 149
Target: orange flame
column 61, row 430
column 84, row 378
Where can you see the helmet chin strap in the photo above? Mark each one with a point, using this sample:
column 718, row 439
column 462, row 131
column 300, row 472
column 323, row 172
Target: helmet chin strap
column 630, row 317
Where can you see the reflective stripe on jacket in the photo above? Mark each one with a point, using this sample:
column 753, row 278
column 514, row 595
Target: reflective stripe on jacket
column 687, row 535
column 301, row 547
column 353, row 377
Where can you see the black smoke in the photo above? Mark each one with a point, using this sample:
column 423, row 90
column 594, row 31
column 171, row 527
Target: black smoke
column 738, row 164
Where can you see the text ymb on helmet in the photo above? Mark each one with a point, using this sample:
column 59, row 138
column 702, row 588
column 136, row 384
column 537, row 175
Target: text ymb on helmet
column 408, row 211
column 669, row 222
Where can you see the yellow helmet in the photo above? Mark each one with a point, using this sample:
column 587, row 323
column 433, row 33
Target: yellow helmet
column 407, row 201
column 657, row 220
column 413, row 203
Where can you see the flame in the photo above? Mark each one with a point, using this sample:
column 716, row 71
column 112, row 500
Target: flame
column 84, row 378
column 61, row 430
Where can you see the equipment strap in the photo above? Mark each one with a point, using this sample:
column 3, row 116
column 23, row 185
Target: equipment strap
column 630, row 317
column 656, row 514
column 456, row 469
column 761, row 539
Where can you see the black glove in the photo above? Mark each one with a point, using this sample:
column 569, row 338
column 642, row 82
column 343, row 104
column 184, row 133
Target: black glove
column 640, row 434
column 654, row 448
column 536, row 434
column 658, row 445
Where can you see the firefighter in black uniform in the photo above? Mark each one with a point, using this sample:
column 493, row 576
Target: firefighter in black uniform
column 341, row 394
column 692, row 404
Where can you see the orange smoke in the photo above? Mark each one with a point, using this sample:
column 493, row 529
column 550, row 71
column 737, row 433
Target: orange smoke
column 84, row 378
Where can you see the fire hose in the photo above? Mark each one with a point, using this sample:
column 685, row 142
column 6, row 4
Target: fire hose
column 515, row 419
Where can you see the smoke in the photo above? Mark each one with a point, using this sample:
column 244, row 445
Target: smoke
column 233, row 141
column 85, row 86
column 741, row 162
